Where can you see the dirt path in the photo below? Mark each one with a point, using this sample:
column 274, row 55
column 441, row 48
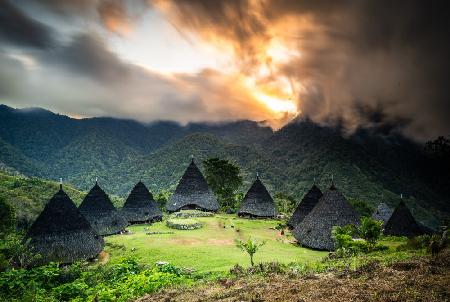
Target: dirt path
column 414, row 280
column 103, row 258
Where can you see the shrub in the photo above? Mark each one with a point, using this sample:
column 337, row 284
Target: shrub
column 250, row 246
column 416, row 243
column 191, row 214
column 119, row 282
column 369, row 231
column 184, row 224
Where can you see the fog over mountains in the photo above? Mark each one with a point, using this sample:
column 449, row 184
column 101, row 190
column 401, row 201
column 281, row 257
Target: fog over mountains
column 371, row 165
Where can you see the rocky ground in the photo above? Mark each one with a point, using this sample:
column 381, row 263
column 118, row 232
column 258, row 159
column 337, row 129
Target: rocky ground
column 422, row 279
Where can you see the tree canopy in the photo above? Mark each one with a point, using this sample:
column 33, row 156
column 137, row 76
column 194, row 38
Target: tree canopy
column 224, row 178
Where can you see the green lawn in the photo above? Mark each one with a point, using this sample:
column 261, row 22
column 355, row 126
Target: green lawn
column 211, row 248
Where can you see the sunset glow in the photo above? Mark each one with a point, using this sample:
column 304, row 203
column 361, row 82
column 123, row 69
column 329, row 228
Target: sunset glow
column 216, row 61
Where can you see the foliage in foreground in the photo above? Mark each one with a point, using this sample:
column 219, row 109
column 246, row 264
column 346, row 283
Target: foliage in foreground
column 329, row 264
column 250, row 246
column 119, row 282
column 367, row 234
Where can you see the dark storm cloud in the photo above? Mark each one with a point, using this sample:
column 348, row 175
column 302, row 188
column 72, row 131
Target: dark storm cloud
column 84, row 78
column 116, row 16
column 389, row 57
column 16, row 28
column 88, row 55
column 373, row 64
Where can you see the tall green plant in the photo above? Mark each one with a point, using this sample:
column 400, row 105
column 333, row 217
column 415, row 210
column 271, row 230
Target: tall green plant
column 370, row 229
column 250, row 246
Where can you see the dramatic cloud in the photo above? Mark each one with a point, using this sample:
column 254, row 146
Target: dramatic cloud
column 371, row 64
column 84, row 78
column 356, row 59
column 16, row 28
column 116, row 16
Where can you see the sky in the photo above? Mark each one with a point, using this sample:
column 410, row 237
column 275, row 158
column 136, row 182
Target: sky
column 380, row 65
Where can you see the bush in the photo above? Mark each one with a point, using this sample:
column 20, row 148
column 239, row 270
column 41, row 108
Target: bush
column 191, row 214
column 370, row 229
column 369, row 232
column 119, row 282
column 184, row 224
column 416, row 243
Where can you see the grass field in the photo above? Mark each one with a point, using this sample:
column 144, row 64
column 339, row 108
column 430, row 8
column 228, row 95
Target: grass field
column 211, row 248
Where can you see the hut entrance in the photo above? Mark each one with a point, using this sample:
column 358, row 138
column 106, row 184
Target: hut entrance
column 191, row 207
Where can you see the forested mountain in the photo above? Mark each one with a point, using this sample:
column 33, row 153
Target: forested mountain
column 366, row 166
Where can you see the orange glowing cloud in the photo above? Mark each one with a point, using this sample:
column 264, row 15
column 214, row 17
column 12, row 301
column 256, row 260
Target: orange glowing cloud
column 258, row 52
column 114, row 17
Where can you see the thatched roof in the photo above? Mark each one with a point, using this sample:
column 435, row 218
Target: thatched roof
column 383, row 212
column 62, row 234
column 331, row 210
column 258, row 202
column 402, row 223
column 101, row 213
column 192, row 192
column 305, row 206
column 140, row 206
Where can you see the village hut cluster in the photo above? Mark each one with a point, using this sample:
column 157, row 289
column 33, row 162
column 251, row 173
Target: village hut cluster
column 64, row 233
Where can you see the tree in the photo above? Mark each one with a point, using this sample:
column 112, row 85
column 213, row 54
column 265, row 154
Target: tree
column 370, row 229
column 250, row 246
column 285, row 203
column 361, row 207
column 224, row 178
column 162, row 197
column 7, row 218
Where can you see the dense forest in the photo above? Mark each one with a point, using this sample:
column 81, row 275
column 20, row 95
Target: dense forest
column 368, row 166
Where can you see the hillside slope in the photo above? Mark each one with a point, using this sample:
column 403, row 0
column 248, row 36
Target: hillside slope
column 366, row 166
column 28, row 195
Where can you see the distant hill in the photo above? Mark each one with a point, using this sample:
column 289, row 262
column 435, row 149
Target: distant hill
column 366, row 166
column 29, row 195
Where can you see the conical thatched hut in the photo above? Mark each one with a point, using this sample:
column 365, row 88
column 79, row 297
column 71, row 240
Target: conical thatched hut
column 192, row 192
column 305, row 206
column 383, row 213
column 402, row 223
column 331, row 210
column 62, row 234
column 257, row 202
column 140, row 206
column 101, row 213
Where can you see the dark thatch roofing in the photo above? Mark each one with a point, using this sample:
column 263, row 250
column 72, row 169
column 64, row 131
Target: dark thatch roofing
column 192, row 192
column 257, row 202
column 402, row 223
column 62, row 234
column 140, row 206
column 101, row 213
column 331, row 210
column 382, row 212
column 305, row 206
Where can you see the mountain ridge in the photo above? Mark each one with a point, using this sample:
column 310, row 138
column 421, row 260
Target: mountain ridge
column 366, row 167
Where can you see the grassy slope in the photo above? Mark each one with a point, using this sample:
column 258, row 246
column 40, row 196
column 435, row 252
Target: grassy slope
column 29, row 195
column 412, row 279
column 211, row 248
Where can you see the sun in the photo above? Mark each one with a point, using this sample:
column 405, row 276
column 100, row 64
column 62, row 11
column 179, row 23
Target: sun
column 277, row 96
column 277, row 105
